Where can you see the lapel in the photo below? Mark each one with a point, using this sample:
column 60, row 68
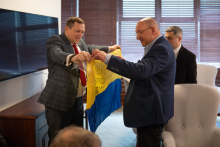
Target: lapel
column 180, row 57
column 67, row 42
column 80, row 45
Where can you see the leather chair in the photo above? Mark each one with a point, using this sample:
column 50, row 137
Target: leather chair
column 206, row 74
column 194, row 120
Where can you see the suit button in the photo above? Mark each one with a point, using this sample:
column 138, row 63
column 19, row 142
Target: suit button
column 199, row 126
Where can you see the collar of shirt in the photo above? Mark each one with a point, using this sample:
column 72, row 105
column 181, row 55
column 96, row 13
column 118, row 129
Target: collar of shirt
column 176, row 51
column 147, row 48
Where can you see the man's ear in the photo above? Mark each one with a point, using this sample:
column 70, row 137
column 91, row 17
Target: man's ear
column 180, row 39
column 66, row 28
column 153, row 30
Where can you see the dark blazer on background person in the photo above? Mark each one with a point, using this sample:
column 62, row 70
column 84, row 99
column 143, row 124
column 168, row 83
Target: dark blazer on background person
column 186, row 67
column 62, row 85
column 150, row 95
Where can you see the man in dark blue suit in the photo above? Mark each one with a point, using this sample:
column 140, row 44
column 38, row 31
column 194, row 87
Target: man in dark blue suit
column 149, row 102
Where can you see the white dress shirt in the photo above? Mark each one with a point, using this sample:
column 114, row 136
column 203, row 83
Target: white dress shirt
column 81, row 88
column 176, row 51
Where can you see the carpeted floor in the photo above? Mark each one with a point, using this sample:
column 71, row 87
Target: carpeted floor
column 113, row 133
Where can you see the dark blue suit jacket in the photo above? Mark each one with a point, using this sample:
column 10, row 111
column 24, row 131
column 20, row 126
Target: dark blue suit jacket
column 150, row 95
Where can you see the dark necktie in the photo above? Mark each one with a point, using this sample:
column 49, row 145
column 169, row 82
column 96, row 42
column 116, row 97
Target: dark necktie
column 82, row 73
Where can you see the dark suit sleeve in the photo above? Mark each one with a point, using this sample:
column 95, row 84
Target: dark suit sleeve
column 192, row 70
column 55, row 51
column 151, row 64
column 90, row 48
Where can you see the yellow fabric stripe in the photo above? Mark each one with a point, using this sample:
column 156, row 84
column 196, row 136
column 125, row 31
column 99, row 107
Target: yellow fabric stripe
column 99, row 78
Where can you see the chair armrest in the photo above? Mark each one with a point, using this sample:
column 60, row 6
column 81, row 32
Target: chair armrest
column 215, row 139
column 168, row 139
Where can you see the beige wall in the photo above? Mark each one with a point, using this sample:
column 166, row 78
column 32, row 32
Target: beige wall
column 15, row 90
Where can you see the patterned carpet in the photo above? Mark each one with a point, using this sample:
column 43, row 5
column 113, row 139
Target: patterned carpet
column 113, row 133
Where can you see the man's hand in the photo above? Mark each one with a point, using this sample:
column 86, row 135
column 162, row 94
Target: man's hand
column 81, row 57
column 114, row 47
column 121, row 57
column 98, row 55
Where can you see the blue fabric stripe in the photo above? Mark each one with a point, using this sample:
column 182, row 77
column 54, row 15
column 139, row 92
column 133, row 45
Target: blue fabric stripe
column 105, row 103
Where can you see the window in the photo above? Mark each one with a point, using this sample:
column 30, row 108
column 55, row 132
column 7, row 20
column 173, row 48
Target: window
column 209, row 31
column 179, row 8
column 129, row 13
column 199, row 20
column 141, row 8
column 99, row 17
column 68, row 9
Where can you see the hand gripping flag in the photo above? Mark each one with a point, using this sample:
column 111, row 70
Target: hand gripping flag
column 103, row 92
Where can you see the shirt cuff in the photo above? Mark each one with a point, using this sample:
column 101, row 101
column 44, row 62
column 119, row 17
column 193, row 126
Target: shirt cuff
column 107, row 58
column 67, row 60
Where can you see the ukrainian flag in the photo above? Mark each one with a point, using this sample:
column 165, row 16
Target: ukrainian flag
column 103, row 92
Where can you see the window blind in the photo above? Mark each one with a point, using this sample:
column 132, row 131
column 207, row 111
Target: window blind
column 210, row 31
column 177, row 8
column 199, row 20
column 99, row 17
column 132, row 49
column 141, row 8
column 68, row 9
column 130, row 11
column 100, row 21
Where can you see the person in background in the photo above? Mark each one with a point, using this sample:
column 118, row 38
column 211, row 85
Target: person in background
column 149, row 101
column 62, row 95
column 73, row 136
column 186, row 67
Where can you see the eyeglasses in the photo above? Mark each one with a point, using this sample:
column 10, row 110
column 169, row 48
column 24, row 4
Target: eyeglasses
column 141, row 32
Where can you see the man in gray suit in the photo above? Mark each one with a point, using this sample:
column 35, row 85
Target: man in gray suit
column 62, row 95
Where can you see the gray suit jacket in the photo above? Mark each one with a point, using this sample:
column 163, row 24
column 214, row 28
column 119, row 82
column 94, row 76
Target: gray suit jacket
column 62, row 84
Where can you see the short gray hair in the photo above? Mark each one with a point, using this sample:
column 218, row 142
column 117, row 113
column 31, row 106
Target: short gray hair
column 177, row 31
column 73, row 136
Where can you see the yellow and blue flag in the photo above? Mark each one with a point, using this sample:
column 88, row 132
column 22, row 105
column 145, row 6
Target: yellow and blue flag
column 103, row 92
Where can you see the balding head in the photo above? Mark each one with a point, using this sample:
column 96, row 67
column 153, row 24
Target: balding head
column 147, row 30
column 150, row 21
column 73, row 136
